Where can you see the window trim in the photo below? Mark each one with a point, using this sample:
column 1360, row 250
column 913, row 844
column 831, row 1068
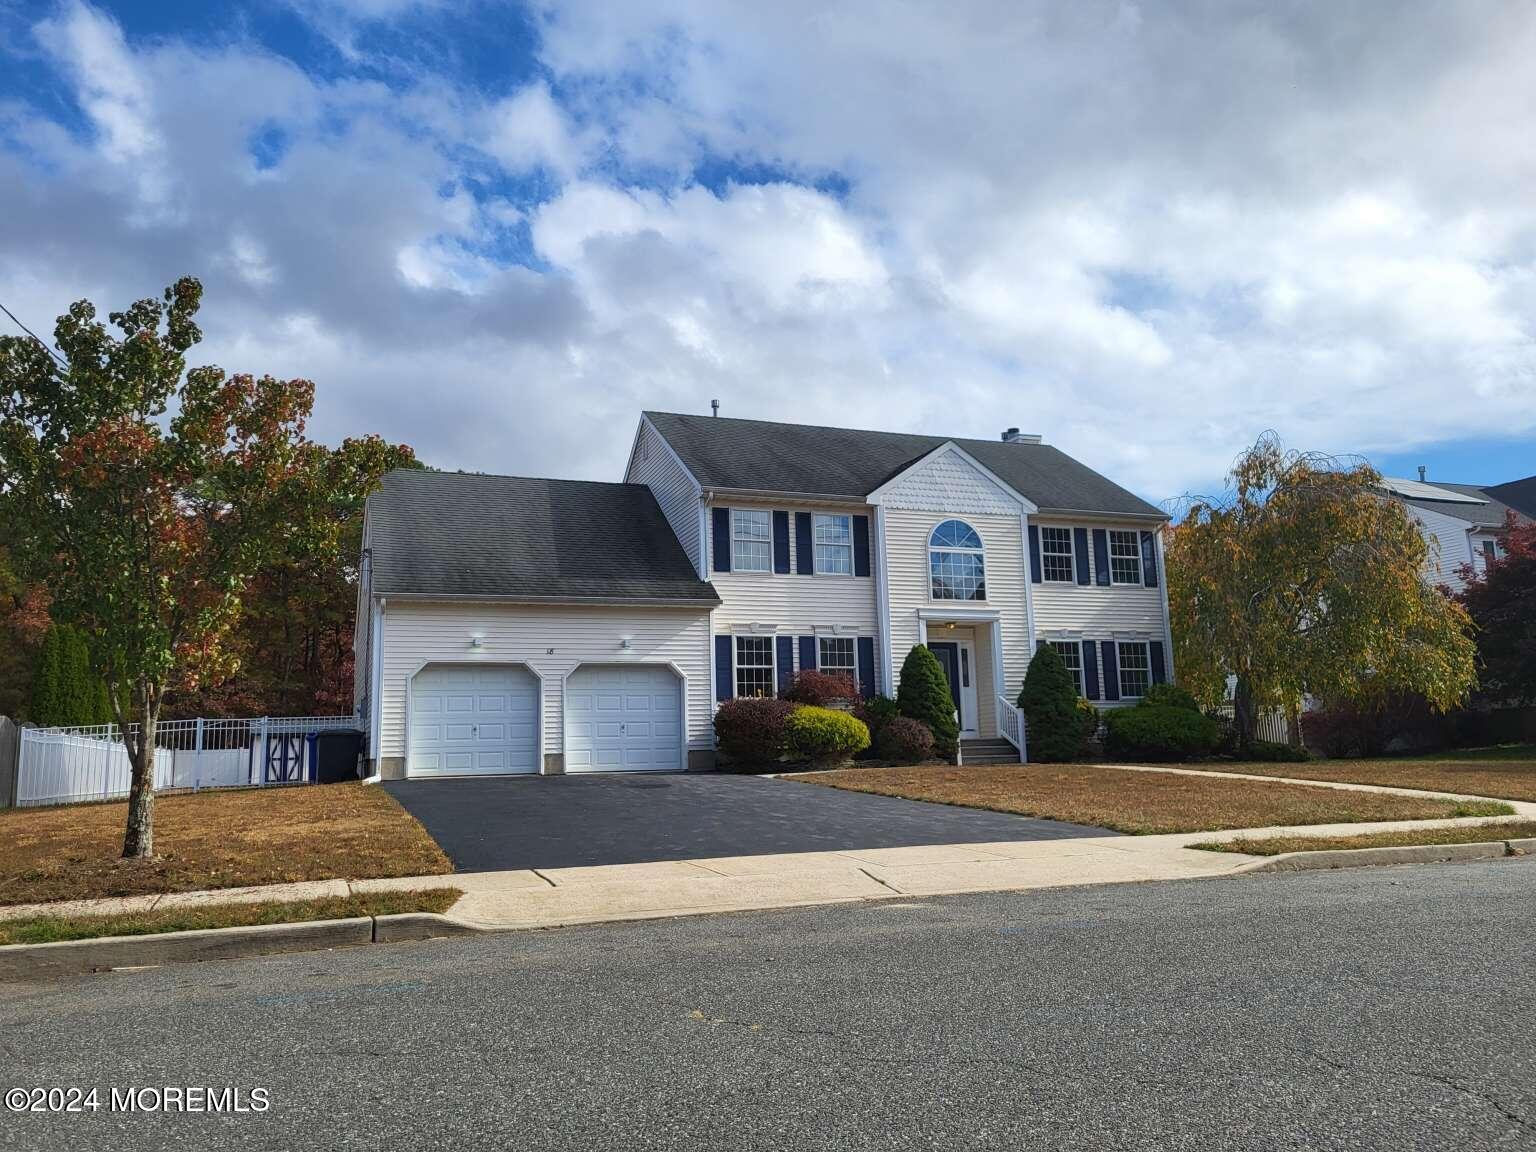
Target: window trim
column 1077, row 648
column 847, row 518
column 736, row 565
column 1071, row 555
column 1135, row 536
column 981, row 553
column 1146, row 651
column 773, row 665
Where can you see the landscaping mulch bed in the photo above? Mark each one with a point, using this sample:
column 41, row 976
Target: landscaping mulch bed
column 1509, row 773
column 1141, row 803
column 224, row 839
column 1466, row 834
column 49, row 929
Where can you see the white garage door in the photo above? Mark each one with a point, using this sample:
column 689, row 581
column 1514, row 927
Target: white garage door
column 474, row 719
column 623, row 718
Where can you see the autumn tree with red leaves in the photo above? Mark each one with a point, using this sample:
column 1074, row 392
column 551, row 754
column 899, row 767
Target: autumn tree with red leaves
column 145, row 498
column 1502, row 603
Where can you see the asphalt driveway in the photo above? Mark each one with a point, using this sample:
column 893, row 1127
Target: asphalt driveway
column 504, row 822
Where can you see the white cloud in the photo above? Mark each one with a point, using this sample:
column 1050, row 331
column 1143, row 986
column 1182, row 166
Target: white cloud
column 528, row 130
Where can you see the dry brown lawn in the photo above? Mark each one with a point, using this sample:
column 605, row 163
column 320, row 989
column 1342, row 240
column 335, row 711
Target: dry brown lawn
column 1510, row 779
column 214, row 840
column 50, row 929
column 1466, row 834
column 1142, row 803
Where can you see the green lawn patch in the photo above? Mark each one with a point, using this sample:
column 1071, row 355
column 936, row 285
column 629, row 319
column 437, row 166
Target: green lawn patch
column 49, row 929
column 1467, row 834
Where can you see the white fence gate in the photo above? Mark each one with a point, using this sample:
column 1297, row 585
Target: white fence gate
column 74, row 765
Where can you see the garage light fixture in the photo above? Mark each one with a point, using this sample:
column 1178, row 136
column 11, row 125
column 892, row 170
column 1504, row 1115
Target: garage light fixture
column 625, row 645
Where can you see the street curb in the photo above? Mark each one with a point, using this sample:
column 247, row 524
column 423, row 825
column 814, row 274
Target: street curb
column 1521, row 847
column 74, row 957
column 1371, row 857
column 25, row 962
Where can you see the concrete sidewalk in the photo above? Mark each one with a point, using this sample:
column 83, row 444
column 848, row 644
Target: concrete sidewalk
column 538, row 898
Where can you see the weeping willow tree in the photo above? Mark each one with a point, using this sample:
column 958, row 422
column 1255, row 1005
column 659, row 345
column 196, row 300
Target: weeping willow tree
column 1305, row 580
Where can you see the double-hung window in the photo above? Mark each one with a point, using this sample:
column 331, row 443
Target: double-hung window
column 835, row 656
column 754, row 666
column 834, row 544
column 751, row 540
column 1135, row 670
column 1125, row 557
column 1072, row 656
column 1056, row 554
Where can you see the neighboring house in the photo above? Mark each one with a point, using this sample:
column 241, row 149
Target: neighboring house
column 516, row 625
column 1462, row 524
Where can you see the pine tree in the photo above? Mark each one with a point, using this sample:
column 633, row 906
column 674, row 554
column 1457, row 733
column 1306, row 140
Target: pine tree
column 924, row 695
column 47, row 705
column 1055, row 726
column 78, row 688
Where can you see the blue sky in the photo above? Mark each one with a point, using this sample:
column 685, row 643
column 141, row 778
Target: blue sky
column 498, row 231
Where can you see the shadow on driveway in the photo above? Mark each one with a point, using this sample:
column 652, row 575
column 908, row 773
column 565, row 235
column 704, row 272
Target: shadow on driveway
column 496, row 823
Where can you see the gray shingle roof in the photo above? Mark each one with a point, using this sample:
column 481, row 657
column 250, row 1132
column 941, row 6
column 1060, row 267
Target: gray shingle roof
column 1518, row 494
column 1490, row 514
column 761, row 456
column 464, row 534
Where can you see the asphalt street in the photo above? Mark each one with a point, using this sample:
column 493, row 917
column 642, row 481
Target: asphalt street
column 1385, row 1008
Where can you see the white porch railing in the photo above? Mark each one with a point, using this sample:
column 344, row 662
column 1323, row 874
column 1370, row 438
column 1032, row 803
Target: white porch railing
column 74, row 765
column 1010, row 722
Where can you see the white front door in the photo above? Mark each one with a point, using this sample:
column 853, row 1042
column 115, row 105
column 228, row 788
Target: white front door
column 623, row 718
column 474, row 720
column 969, row 720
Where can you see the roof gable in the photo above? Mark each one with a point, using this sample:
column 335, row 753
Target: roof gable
column 949, row 479
column 457, row 534
column 848, row 463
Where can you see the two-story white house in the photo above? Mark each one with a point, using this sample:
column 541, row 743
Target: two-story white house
column 516, row 625
column 1463, row 525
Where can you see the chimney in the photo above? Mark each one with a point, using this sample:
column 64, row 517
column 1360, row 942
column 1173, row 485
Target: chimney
column 714, row 407
column 1014, row 436
column 1422, row 471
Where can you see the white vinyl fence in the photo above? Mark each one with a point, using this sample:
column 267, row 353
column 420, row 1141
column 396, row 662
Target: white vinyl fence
column 1272, row 725
column 73, row 765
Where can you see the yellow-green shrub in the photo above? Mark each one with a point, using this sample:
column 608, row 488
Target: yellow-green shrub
column 824, row 734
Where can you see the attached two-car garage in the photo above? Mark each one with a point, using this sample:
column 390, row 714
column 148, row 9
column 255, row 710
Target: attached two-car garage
column 483, row 719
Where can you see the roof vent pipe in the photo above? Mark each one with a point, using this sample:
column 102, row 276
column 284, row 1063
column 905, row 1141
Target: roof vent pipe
column 1422, row 471
column 1014, row 436
column 714, row 407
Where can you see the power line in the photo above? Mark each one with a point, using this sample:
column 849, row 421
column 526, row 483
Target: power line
column 34, row 336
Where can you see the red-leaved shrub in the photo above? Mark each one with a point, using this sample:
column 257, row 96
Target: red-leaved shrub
column 821, row 688
column 902, row 738
column 750, row 730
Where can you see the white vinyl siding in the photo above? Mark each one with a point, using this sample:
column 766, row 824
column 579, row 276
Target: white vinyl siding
column 751, row 540
column 1125, row 557
column 1072, row 656
column 906, row 544
column 551, row 640
column 833, row 537
column 655, row 466
column 1056, row 560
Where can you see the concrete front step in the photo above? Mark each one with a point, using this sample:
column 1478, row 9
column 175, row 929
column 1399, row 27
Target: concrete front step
column 988, row 752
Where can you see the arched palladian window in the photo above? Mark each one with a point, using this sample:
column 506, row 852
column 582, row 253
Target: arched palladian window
column 956, row 569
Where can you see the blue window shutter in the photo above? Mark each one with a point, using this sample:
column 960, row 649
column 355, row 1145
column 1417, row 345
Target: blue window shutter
column 1111, row 670
column 1090, row 658
column 722, row 539
column 1101, row 563
column 1159, row 664
column 866, row 666
column 807, row 652
column 1080, row 550
column 1034, row 554
column 781, row 542
column 1149, row 559
column 785, row 661
column 861, row 545
column 805, row 556
column 724, row 667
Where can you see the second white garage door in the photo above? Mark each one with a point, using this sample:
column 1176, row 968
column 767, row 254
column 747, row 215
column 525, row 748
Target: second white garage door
column 474, row 720
column 623, row 718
